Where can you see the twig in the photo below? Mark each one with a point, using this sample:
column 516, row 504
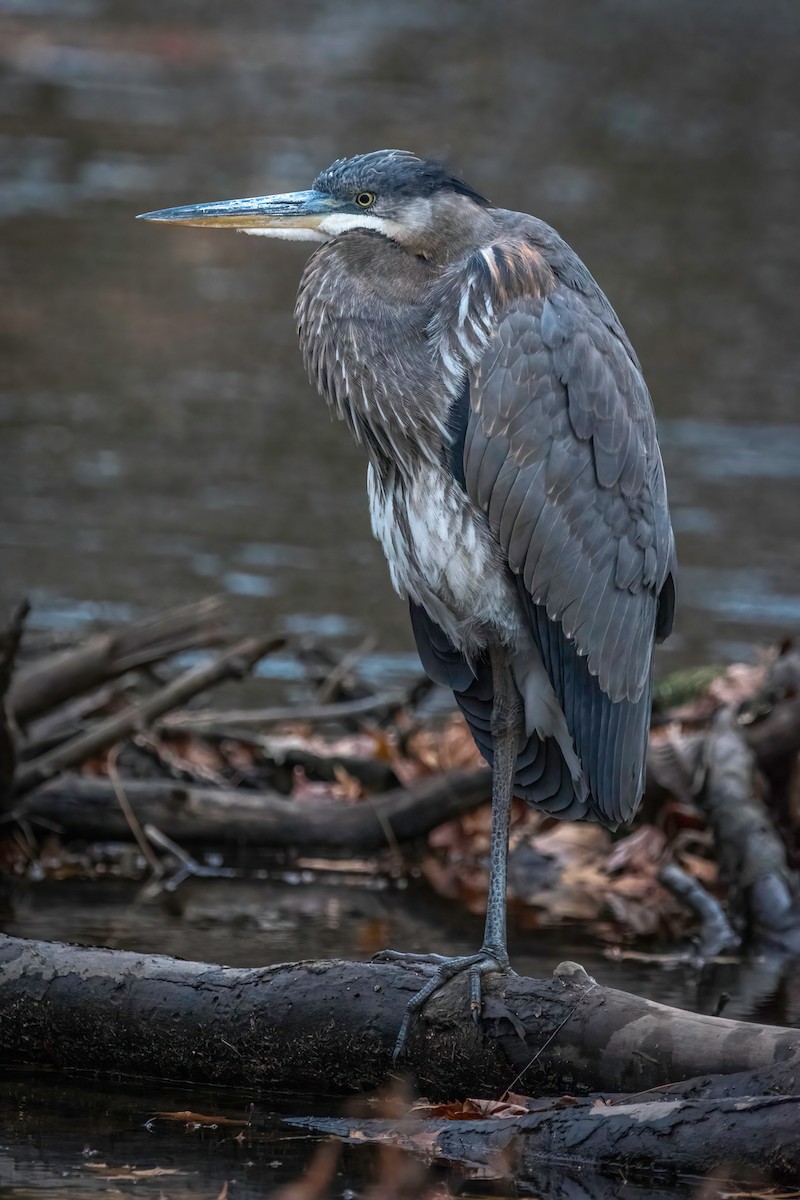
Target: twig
column 716, row 934
column 318, row 714
column 10, row 639
column 751, row 855
column 189, row 866
column 339, row 672
column 237, row 661
column 130, row 815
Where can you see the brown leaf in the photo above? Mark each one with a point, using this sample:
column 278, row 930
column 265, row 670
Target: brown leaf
column 351, row 788
column 640, row 851
column 446, row 749
column 128, row 1172
column 471, row 1110
column 193, row 1118
column 701, row 868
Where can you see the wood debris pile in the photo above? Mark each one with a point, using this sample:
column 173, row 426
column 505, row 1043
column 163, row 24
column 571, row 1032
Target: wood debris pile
column 102, row 741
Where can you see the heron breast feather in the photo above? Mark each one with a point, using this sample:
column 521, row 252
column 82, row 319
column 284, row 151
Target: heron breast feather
column 443, row 555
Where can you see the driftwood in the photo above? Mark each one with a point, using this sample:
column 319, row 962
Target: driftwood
column 232, row 663
column 716, row 934
column 51, row 680
column 667, row 1137
column 751, row 854
column 80, row 806
column 331, row 1026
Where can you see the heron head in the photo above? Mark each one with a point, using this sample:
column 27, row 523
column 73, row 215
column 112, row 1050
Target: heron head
column 414, row 202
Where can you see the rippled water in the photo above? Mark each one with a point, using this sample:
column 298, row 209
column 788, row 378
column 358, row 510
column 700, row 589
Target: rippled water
column 61, row 1133
column 159, row 439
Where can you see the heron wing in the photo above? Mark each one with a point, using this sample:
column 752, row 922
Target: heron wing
column 541, row 775
column 560, row 452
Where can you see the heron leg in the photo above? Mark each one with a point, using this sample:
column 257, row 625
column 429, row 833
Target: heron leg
column 493, row 954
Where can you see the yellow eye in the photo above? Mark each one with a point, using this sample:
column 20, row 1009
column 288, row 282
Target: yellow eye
column 365, row 199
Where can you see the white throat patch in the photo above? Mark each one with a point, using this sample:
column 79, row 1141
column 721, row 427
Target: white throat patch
column 291, row 235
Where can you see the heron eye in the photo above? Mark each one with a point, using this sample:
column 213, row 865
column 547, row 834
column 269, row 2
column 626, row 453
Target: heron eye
column 365, row 199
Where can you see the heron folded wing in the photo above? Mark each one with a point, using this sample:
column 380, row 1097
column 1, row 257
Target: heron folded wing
column 560, row 451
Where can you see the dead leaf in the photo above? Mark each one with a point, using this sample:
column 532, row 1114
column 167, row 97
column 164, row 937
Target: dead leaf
column 188, row 1117
column 351, row 788
column 128, row 1172
column 639, row 851
column 703, row 869
column 471, row 1110
column 446, row 749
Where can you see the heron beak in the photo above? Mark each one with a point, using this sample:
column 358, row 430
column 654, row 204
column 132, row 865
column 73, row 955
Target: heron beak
column 292, row 210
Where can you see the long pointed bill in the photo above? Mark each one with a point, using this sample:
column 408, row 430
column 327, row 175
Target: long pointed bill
column 280, row 215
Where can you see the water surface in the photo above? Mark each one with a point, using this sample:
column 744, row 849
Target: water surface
column 159, row 439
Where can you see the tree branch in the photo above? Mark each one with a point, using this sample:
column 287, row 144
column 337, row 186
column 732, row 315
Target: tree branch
column 235, row 662
column 55, row 678
column 84, row 807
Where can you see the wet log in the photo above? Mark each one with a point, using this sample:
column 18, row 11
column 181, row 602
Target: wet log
column 84, row 807
column 751, row 853
column 331, row 1026
column 677, row 1137
column 55, row 678
column 716, row 934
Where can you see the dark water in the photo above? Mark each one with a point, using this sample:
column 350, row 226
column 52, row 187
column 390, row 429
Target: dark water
column 159, row 440
column 65, row 1135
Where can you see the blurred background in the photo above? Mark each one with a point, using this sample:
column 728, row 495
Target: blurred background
column 158, row 438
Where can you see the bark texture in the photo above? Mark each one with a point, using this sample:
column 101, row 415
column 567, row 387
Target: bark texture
column 672, row 1137
column 331, row 1026
column 87, row 808
column 752, row 856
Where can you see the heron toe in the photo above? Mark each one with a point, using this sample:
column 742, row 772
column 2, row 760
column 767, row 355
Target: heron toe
column 487, row 959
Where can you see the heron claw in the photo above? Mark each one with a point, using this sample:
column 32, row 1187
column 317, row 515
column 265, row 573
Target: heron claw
column 485, row 961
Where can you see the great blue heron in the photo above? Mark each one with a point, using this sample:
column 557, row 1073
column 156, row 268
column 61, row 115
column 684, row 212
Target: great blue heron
column 514, row 476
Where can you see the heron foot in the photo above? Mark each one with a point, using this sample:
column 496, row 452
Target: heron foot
column 487, row 959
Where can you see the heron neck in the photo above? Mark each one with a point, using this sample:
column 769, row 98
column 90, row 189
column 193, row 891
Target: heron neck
column 363, row 313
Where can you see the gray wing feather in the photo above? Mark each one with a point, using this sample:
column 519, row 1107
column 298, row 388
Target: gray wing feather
column 542, row 776
column 561, row 453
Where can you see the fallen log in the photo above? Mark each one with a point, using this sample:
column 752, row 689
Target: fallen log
column 235, row 662
column 55, row 678
column 84, row 807
column 751, row 854
column 331, row 1026
column 758, row 1134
